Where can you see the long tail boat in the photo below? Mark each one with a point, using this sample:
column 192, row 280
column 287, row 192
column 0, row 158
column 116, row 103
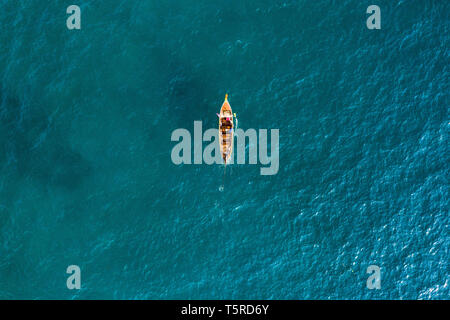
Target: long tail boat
column 226, row 130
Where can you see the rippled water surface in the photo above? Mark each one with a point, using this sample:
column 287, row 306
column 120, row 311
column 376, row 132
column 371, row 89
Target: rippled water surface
column 86, row 176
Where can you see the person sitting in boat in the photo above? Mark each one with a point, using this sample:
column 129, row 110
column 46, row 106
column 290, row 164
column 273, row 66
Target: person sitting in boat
column 226, row 122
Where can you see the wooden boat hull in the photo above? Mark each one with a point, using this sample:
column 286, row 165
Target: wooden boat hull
column 226, row 129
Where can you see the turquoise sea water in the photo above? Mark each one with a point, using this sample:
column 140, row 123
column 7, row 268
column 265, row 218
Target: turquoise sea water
column 86, row 176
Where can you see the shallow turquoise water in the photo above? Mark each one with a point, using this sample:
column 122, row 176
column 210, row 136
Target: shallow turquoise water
column 86, row 176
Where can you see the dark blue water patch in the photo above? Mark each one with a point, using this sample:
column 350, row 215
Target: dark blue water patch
column 26, row 132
